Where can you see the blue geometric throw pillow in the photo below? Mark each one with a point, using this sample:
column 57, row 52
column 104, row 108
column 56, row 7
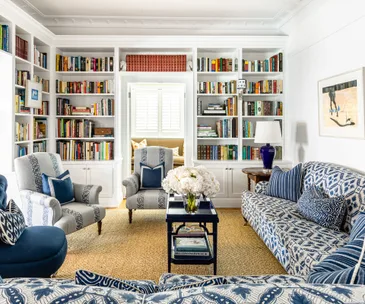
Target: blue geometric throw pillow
column 151, row 177
column 84, row 277
column 358, row 229
column 12, row 223
column 60, row 187
column 285, row 185
column 208, row 282
column 345, row 266
column 326, row 211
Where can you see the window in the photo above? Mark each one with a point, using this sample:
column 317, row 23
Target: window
column 157, row 110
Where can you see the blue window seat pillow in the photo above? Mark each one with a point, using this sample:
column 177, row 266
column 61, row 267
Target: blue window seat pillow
column 151, row 177
column 316, row 206
column 285, row 184
column 60, row 187
column 84, row 277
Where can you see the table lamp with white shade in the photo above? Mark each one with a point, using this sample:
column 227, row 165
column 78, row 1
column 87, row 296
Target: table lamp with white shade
column 267, row 132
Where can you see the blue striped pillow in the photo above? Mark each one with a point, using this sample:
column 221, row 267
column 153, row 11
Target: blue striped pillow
column 358, row 229
column 285, row 185
column 345, row 266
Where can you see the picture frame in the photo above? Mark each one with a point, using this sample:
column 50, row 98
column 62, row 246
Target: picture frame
column 33, row 95
column 341, row 105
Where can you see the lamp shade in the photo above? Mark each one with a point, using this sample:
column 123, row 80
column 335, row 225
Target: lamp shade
column 267, row 132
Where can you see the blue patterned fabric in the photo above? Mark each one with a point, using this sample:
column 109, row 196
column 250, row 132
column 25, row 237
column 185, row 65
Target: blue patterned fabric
column 286, row 184
column 261, row 187
column 336, row 180
column 12, row 223
column 60, row 187
column 201, row 283
column 3, row 188
column 345, row 266
column 84, row 277
column 151, row 177
column 359, row 227
column 316, row 206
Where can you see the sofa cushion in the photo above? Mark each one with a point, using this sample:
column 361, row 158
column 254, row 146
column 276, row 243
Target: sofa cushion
column 359, row 227
column 151, row 177
column 148, row 199
column 201, row 283
column 60, row 187
column 84, row 277
column 12, row 223
column 326, row 211
column 344, row 266
column 178, row 160
column 139, row 145
column 286, row 184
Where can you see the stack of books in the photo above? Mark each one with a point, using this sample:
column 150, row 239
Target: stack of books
column 227, row 128
column 40, row 58
column 156, row 63
column 206, row 131
column 214, row 87
column 206, row 64
column 22, row 77
column 4, row 37
column 215, row 109
column 191, row 246
column 21, row 131
column 81, row 111
column 21, row 48
column 262, row 108
column 44, row 110
column 265, row 87
column 84, row 87
column 84, row 64
column 272, row 64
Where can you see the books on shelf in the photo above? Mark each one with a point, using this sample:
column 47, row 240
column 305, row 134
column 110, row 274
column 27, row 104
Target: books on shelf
column 20, row 103
column 272, row 64
column 44, row 82
column 85, row 87
column 227, row 128
column 40, row 146
column 156, row 63
column 217, row 152
column 21, row 151
column 21, row 77
column 265, row 87
column 40, row 58
column 262, row 108
column 81, row 128
column 206, row 131
column 248, row 129
column 84, row 64
column 22, row 131
column 44, row 110
column 253, row 153
column 217, row 87
column 81, row 150
column 4, row 37
column 105, row 107
column 205, row 64
column 40, row 128
column 21, row 48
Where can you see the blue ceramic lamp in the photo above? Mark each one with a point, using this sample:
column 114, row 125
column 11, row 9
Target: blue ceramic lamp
column 267, row 132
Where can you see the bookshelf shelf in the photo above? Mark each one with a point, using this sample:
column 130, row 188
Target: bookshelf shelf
column 248, row 138
column 40, row 139
column 217, row 138
column 85, row 116
column 45, row 93
column 86, row 73
column 5, row 52
column 262, row 73
column 86, row 138
column 202, row 95
column 218, row 73
column 253, row 95
column 155, row 73
column 22, row 142
column 20, row 60
column 85, row 94
column 17, row 86
column 216, row 116
column 23, row 114
column 262, row 117
column 40, row 116
column 38, row 68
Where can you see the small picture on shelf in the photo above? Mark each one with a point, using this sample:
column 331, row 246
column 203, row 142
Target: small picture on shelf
column 33, row 97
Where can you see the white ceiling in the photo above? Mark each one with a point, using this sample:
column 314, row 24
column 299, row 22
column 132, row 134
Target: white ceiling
column 178, row 17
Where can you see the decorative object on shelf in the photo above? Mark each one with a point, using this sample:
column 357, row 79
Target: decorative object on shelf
column 122, row 66
column 191, row 182
column 341, row 105
column 241, row 84
column 33, row 97
column 190, row 65
column 267, row 132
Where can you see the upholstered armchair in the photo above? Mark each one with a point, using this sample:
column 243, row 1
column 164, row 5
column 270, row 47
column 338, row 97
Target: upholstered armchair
column 138, row 198
column 42, row 210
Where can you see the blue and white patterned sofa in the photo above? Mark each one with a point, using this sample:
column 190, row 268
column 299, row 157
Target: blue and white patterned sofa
column 261, row 289
column 297, row 243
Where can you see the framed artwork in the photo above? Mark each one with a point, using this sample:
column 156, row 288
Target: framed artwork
column 33, row 95
column 341, row 105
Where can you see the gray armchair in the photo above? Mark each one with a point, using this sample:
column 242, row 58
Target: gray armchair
column 42, row 210
column 147, row 198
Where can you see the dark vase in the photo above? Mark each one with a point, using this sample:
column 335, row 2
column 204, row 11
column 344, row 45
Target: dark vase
column 267, row 154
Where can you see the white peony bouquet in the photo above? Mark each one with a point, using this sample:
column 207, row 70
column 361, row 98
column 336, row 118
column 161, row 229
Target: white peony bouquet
column 191, row 181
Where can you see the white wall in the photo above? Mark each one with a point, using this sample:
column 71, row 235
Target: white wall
column 326, row 38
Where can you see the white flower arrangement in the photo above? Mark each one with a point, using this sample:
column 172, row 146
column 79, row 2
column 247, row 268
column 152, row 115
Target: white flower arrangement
column 191, row 181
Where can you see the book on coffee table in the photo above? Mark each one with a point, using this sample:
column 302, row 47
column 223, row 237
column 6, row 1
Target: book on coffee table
column 191, row 244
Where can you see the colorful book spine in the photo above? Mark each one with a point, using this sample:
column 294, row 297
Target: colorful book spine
column 81, row 150
column 217, row 152
column 214, row 87
column 84, row 87
column 84, row 64
column 156, row 63
column 272, row 64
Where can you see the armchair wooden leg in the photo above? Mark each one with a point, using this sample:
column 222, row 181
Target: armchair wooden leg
column 130, row 216
column 99, row 227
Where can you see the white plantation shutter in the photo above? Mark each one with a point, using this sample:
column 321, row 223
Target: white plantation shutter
column 157, row 110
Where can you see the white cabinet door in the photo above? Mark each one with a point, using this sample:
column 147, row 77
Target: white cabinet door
column 237, row 182
column 78, row 173
column 102, row 175
column 221, row 175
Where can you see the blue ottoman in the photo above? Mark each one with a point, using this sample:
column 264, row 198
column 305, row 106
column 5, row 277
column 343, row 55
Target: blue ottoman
column 39, row 252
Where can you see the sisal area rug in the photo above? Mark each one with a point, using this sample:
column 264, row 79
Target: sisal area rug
column 139, row 250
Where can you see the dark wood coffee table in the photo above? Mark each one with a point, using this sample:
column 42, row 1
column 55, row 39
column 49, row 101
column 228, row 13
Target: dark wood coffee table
column 257, row 175
column 176, row 213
